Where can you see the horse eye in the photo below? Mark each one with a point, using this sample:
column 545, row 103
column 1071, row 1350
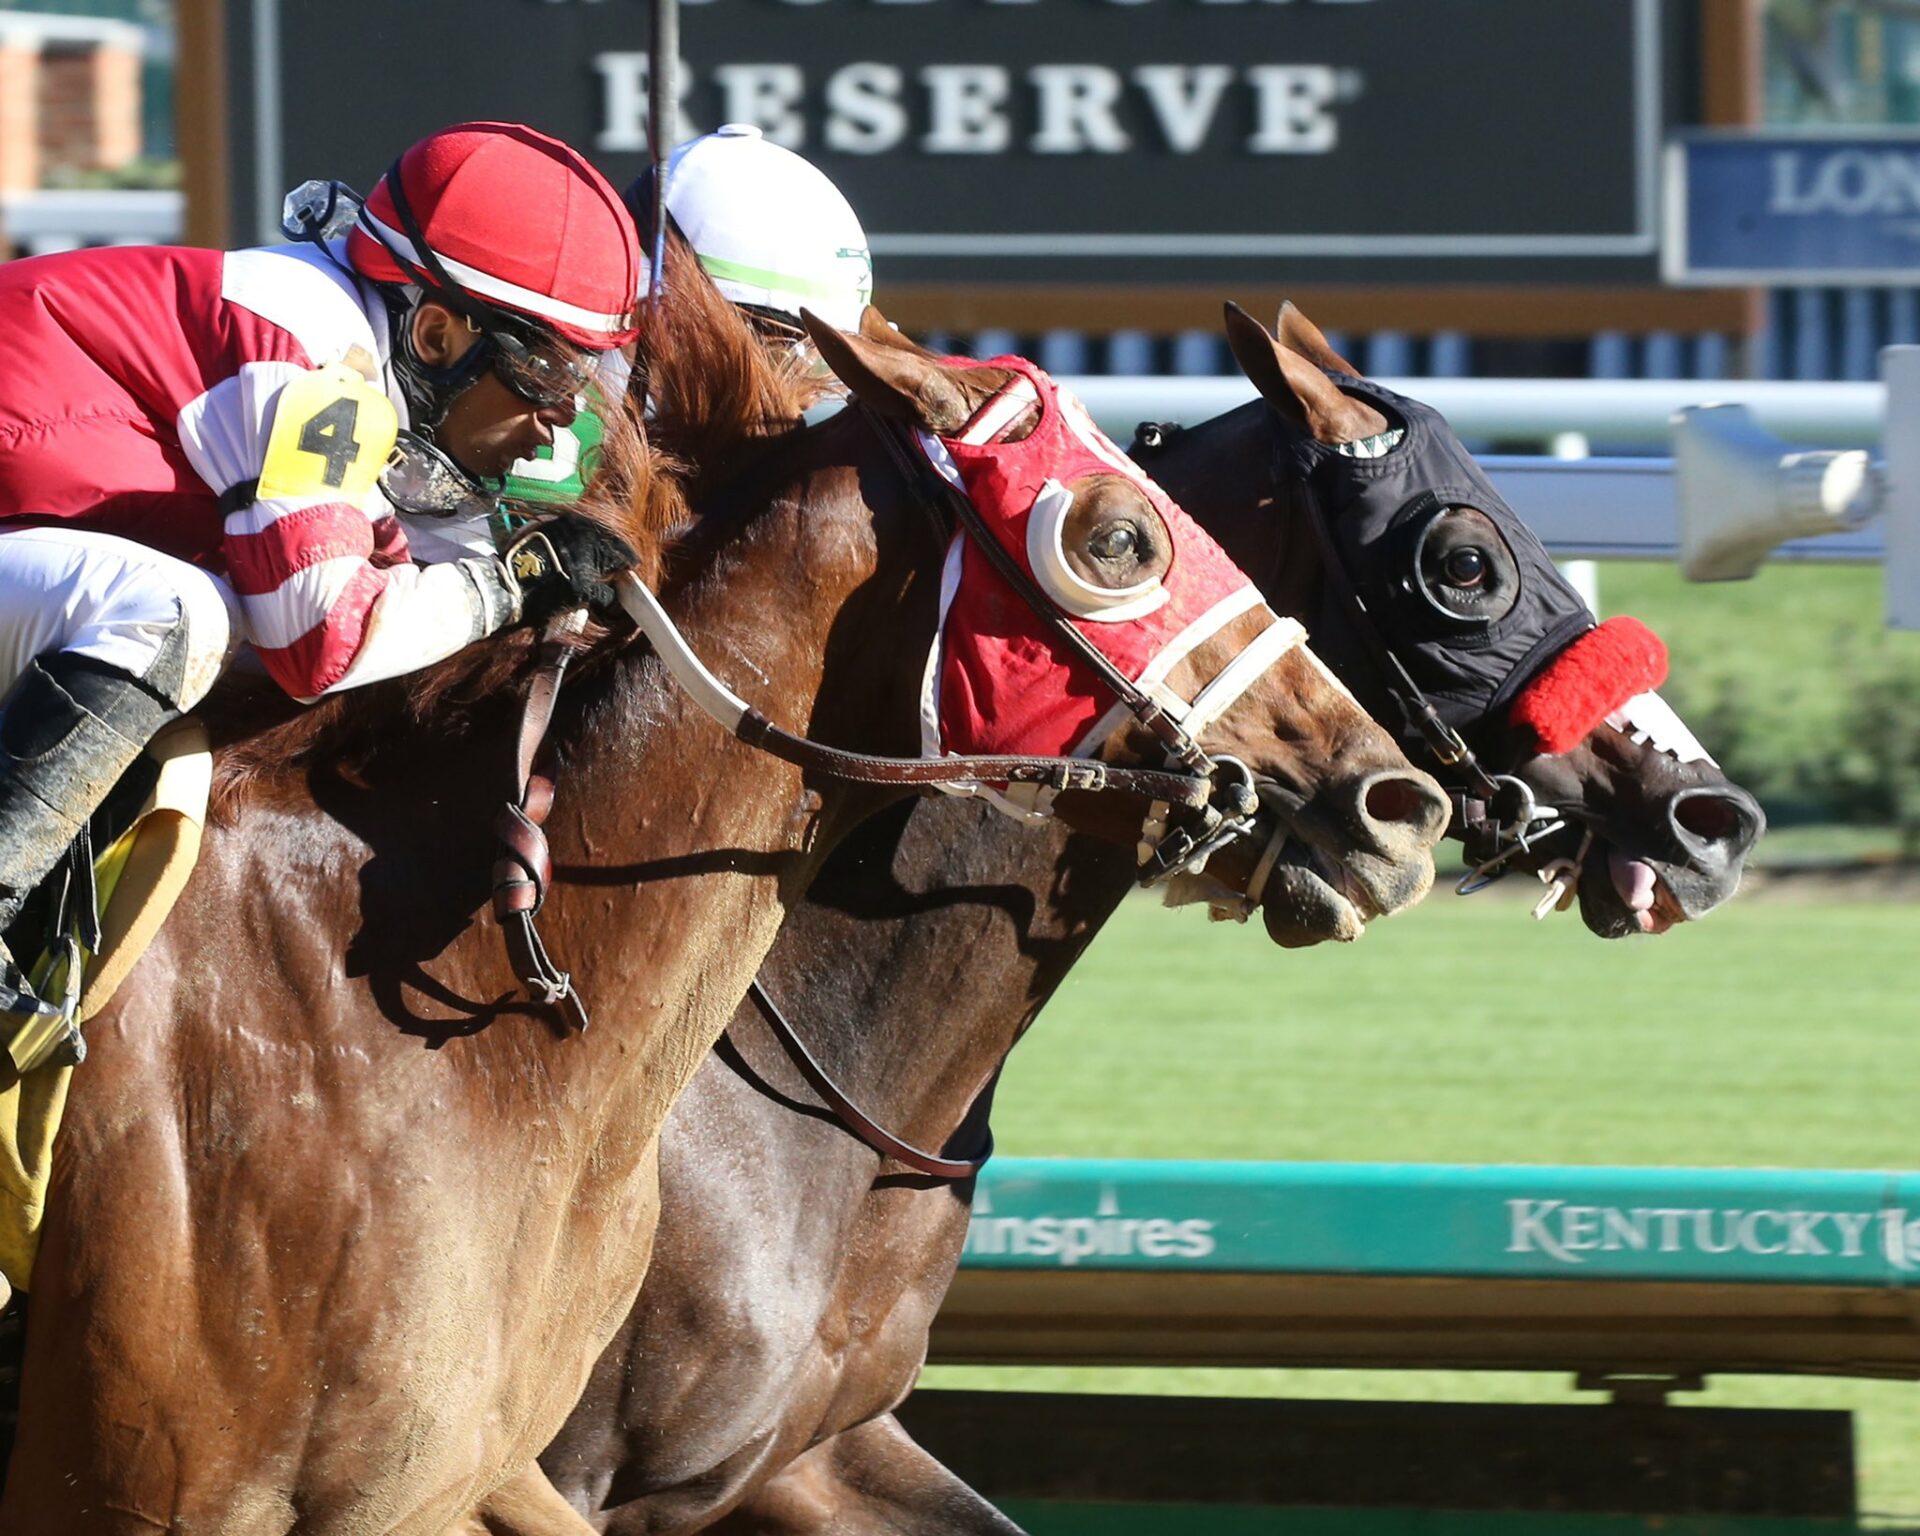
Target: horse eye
column 1464, row 567
column 1113, row 543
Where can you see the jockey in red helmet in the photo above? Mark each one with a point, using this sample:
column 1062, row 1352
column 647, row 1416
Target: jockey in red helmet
column 291, row 448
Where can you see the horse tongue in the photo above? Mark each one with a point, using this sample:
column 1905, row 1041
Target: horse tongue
column 1634, row 879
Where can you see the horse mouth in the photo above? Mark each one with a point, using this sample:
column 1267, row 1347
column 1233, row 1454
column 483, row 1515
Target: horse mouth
column 1312, row 899
column 1622, row 895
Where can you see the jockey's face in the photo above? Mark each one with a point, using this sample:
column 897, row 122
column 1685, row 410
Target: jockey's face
column 489, row 427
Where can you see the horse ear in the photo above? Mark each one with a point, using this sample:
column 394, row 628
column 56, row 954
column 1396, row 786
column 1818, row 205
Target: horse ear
column 1297, row 331
column 875, row 326
column 1296, row 388
column 909, row 386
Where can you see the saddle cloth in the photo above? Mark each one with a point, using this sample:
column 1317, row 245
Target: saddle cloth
column 140, row 877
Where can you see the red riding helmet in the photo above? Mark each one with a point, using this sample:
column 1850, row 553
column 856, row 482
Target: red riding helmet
column 513, row 220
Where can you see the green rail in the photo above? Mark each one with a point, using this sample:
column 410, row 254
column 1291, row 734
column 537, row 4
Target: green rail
column 1764, row 1226
column 1043, row 1519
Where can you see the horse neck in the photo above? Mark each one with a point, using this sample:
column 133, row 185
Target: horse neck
column 951, row 926
column 651, row 795
column 926, row 945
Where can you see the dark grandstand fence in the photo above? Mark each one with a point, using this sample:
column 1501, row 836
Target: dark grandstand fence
column 1811, row 333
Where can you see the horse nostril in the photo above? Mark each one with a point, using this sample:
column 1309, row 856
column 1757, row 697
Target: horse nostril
column 1717, row 816
column 1410, row 800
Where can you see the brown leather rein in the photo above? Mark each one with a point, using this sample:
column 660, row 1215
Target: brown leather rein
column 524, row 869
column 856, row 1119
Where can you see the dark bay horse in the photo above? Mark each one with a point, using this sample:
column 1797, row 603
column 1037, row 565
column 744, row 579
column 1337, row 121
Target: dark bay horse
column 339, row 1225
column 797, row 1272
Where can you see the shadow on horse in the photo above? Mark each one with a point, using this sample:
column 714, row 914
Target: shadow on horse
column 339, row 1225
column 797, row 1271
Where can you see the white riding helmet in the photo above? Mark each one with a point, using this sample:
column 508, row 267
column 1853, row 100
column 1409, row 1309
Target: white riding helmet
column 770, row 228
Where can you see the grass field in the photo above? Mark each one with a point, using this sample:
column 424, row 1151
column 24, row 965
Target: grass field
column 1779, row 676
column 1777, row 1033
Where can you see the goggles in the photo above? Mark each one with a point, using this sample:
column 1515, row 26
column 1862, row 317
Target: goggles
column 545, row 376
column 422, row 479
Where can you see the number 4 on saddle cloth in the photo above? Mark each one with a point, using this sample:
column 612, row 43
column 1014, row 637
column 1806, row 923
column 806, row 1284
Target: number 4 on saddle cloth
column 150, row 830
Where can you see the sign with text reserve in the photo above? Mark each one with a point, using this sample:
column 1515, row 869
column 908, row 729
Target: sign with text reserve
column 1047, row 140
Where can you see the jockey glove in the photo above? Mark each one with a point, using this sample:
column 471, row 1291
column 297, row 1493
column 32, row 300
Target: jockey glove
column 564, row 563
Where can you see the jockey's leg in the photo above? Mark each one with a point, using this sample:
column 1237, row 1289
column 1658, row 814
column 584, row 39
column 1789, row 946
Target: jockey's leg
column 102, row 642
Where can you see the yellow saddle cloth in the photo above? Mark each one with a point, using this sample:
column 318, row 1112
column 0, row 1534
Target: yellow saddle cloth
column 139, row 878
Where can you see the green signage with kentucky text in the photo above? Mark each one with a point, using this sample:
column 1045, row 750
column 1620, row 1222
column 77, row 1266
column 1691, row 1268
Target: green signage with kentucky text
column 1706, row 1224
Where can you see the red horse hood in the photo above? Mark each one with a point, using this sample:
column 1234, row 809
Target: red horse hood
column 997, row 679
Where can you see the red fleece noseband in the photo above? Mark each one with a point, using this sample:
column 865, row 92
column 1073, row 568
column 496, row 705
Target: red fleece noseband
column 1588, row 681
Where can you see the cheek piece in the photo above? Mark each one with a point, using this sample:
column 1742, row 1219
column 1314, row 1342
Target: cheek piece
column 1588, row 681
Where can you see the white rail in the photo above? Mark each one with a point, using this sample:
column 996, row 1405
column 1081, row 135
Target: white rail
column 44, row 222
column 1624, row 509
column 1616, row 414
column 1609, row 508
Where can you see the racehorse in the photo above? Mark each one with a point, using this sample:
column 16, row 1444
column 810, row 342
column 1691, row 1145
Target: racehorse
column 797, row 1271
column 339, row 1225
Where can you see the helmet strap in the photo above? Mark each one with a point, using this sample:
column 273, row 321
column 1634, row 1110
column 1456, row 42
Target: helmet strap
column 431, row 389
column 428, row 272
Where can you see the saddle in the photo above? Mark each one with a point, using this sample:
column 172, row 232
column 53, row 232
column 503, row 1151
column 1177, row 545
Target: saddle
column 151, row 827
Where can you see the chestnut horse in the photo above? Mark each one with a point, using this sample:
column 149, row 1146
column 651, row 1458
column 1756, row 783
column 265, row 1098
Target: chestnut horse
column 338, row 1225
column 796, row 1272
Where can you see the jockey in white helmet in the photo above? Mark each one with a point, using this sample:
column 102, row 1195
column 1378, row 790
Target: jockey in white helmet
column 771, row 230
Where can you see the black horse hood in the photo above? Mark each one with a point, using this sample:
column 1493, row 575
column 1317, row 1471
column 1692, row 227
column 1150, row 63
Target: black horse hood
column 1374, row 513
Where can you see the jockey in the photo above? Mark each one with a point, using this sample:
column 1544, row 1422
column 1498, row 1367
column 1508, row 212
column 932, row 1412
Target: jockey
column 201, row 449
column 771, row 230
column 774, row 235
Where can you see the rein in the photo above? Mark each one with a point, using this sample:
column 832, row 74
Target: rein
column 852, row 1116
column 742, row 720
column 525, row 867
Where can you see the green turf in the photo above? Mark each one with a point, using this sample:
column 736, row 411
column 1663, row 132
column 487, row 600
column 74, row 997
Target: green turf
column 1772, row 1034
column 1772, row 673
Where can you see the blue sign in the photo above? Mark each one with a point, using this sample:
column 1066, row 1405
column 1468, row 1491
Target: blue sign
column 1793, row 209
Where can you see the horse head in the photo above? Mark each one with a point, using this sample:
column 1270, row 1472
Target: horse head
column 1440, row 608
column 1125, row 591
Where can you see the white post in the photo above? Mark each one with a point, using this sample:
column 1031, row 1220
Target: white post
column 1900, row 437
column 1582, row 575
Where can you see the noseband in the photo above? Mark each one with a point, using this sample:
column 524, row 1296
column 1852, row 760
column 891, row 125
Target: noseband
column 1499, row 812
column 1166, row 847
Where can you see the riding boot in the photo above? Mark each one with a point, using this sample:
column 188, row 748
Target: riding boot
column 68, row 729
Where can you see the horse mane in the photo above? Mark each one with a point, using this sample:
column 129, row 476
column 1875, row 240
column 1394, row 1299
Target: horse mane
column 713, row 385
column 716, row 398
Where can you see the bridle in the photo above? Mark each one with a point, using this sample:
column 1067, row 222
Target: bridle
column 1233, row 802
column 1196, row 806
column 1498, row 812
